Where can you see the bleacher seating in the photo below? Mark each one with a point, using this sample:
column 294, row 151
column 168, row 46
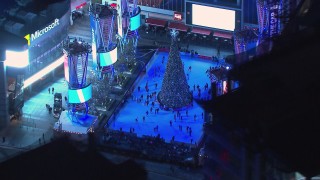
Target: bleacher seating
column 149, row 147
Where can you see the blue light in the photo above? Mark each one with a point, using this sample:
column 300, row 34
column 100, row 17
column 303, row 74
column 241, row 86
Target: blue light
column 135, row 21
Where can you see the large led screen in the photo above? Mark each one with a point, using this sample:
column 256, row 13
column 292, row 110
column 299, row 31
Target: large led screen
column 80, row 95
column 135, row 21
column 17, row 59
column 213, row 17
column 108, row 58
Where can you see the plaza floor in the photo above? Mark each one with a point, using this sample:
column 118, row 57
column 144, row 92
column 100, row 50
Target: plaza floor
column 132, row 109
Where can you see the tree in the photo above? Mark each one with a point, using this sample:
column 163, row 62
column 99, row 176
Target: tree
column 175, row 90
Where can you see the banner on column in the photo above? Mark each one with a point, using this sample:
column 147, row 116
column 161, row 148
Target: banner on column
column 274, row 20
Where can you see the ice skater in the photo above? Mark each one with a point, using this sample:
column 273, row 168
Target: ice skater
column 52, row 89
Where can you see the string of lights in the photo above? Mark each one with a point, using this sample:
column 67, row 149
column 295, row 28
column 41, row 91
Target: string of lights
column 175, row 91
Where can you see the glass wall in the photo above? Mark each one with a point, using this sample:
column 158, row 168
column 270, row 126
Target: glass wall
column 47, row 48
column 15, row 93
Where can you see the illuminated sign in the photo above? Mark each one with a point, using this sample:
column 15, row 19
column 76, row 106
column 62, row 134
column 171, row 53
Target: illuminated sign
column 273, row 21
column 113, row 5
column 213, row 17
column 80, row 95
column 135, row 22
column 81, row 5
column 93, row 37
column 44, row 71
column 94, row 48
column 41, row 32
column 108, row 58
column 17, row 59
column 177, row 16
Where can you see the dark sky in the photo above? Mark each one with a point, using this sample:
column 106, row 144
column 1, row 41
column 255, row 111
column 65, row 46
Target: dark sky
column 5, row 5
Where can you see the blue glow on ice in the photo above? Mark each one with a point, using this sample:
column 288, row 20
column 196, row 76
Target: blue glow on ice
column 132, row 109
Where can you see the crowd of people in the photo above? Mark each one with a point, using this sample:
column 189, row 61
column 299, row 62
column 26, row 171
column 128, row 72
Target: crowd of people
column 149, row 147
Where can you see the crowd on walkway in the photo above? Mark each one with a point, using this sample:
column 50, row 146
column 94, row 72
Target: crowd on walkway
column 154, row 148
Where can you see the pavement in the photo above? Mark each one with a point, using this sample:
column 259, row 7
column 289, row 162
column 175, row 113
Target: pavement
column 34, row 127
column 159, row 171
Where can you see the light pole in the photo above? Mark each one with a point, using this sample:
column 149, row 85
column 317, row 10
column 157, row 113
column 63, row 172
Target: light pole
column 4, row 116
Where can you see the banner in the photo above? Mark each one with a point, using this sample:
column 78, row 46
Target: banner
column 274, row 20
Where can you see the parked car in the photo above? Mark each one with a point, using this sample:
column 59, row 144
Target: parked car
column 57, row 105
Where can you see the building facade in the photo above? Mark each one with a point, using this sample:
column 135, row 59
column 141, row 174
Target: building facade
column 44, row 26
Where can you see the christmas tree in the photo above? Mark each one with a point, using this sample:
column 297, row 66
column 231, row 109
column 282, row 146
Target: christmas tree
column 175, row 90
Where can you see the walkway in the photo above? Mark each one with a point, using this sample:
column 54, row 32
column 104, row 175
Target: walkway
column 36, row 123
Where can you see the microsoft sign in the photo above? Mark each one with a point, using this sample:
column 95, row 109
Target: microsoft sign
column 41, row 32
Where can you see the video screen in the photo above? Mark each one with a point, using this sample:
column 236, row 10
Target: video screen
column 17, row 59
column 213, row 17
column 108, row 58
column 135, row 21
column 80, row 95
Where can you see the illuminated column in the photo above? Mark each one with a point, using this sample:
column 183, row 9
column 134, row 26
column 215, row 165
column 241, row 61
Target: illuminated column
column 104, row 46
column 131, row 21
column 4, row 117
column 76, row 63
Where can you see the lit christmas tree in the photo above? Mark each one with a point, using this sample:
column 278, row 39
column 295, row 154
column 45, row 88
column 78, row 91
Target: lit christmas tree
column 175, row 90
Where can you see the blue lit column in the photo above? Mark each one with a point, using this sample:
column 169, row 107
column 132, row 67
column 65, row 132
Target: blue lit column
column 76, row 63
column 4, row 117
column 104, row 46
